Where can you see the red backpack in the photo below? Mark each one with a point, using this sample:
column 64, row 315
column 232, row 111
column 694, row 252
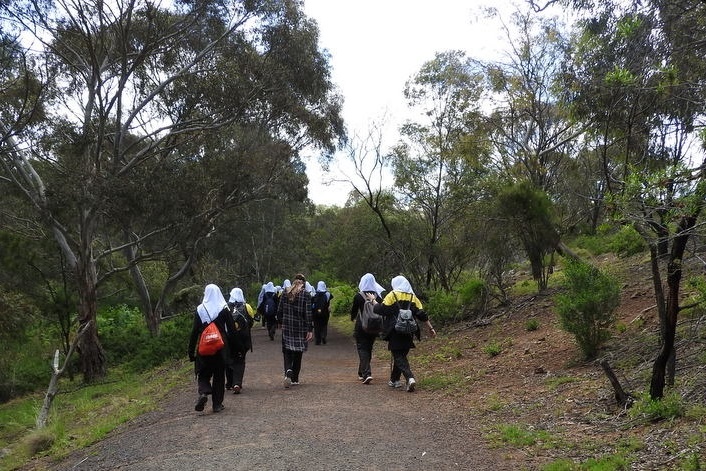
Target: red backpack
column 211, row 341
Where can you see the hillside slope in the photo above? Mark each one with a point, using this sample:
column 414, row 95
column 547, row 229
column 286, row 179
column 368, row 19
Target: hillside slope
column 535, row 397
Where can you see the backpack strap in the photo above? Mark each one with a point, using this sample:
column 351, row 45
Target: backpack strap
column 397, row 301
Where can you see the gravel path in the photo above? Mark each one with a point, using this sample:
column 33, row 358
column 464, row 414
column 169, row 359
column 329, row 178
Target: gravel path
column 329, row 422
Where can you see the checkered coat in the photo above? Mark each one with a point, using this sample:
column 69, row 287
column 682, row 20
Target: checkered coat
column 296, row 319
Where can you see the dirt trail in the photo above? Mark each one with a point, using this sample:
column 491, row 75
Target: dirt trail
column 329, row 422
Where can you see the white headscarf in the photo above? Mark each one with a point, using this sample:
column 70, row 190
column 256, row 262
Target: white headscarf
column 261, row 295
column 270, row 287
column 212, row 304
column 321, row 287
column 308, row 288
column 400, row 283
column 236, row 296
column 368, row 283
column 286, row 284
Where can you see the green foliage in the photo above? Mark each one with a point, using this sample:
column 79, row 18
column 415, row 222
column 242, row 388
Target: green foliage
column 531, row 325
column 625, row 241
column 169, row 345
column 493, row 349
column 26, row 361
column 437, row 381
column 127, row 341
column 443, row 308
column 606, row 463
column 668, row 407
column 529, row 212
column 587, row 305
column 342, row 299
column 474, row 297
column 82, row 416
column 520, row 436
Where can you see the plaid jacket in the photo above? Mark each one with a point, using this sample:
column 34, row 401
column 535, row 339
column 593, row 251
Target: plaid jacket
column 296, row 319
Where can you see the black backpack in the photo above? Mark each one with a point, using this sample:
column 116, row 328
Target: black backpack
column 242, row 319
column 319, row 305
column 269, row 306
column 243, row 324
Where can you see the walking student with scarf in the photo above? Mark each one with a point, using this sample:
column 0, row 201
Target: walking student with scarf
column 210, row 369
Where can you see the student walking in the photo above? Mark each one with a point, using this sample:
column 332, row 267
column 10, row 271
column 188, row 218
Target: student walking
column 294, row 315
column 321, row 311
column 268, row 308
column 210, row 369
column 240, row 339
column 399, row 343
column 364, row 341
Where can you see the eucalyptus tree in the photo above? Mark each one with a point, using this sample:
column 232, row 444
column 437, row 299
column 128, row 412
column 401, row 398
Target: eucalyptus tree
column 650, row 84
column 532, row 131
column 439, row 162
column 132, row 89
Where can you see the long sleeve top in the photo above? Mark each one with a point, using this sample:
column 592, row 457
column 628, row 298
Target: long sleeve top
column 390, row 307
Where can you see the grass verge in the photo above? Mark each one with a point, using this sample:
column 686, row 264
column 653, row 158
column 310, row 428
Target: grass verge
column 92, row 410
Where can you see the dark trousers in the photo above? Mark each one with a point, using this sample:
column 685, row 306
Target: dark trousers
column 320, row 329
column 400, row 365
column 211, row 377
column 292, row 361
column 236, row 370
column 364, row 344
column 271, row 326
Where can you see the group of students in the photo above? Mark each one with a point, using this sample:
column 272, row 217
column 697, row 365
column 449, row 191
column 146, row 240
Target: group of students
column 269, row 300
column 301, row 317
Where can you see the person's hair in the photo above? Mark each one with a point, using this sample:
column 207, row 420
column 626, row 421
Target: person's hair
column 297, row 286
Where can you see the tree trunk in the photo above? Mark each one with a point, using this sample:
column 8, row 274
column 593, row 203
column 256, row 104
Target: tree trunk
column 669, row 327
column 151, row 318
column 92, row 356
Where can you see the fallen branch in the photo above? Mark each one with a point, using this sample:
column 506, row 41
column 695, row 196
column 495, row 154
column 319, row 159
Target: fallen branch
column 624, row 399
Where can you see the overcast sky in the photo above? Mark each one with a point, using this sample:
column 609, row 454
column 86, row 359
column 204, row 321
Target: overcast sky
column 377, row 45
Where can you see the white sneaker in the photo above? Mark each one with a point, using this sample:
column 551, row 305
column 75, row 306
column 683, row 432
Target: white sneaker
column 394, row 384
column 367, row 380
column 287, row 379
column 410, row 385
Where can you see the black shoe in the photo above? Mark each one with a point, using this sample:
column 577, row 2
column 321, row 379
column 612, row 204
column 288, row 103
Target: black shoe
column 323, row 341
column 218, row 408
column 236, row 389
column 201, row 402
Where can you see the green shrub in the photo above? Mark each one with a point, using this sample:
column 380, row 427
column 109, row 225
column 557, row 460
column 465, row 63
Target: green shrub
column 474, row 297
column 127, row 341
column 586, row 308
column 624, row 241
column 531, row 325
column 669, row 407
column 627, row 241
column 170, row 344
column 443, row 308
column 493, row 349
column 342, row 299
column 26, row 362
